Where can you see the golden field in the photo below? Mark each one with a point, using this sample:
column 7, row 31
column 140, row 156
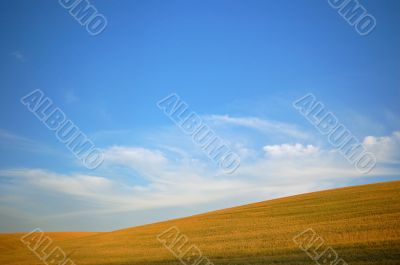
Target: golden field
column 362, row 224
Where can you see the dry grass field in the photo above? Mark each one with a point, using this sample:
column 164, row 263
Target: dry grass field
column 361, row 223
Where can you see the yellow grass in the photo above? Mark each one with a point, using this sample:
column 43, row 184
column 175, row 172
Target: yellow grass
column 361, row 223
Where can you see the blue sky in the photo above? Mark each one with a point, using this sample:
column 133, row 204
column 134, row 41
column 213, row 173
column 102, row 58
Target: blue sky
column 238, row 64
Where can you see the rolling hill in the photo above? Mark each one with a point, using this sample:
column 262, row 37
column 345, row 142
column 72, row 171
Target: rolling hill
column 361, row 224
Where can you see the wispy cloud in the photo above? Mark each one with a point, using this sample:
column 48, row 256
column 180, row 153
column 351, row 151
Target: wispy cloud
column 262, row 125
column 19, row 56
column 10, row 140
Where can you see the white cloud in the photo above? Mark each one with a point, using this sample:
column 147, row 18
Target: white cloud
column 290, row 150
column 385, row 148
column 289, row 169
column 150, row 164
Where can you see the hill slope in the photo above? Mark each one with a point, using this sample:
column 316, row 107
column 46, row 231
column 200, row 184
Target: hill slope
column 362, row 224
